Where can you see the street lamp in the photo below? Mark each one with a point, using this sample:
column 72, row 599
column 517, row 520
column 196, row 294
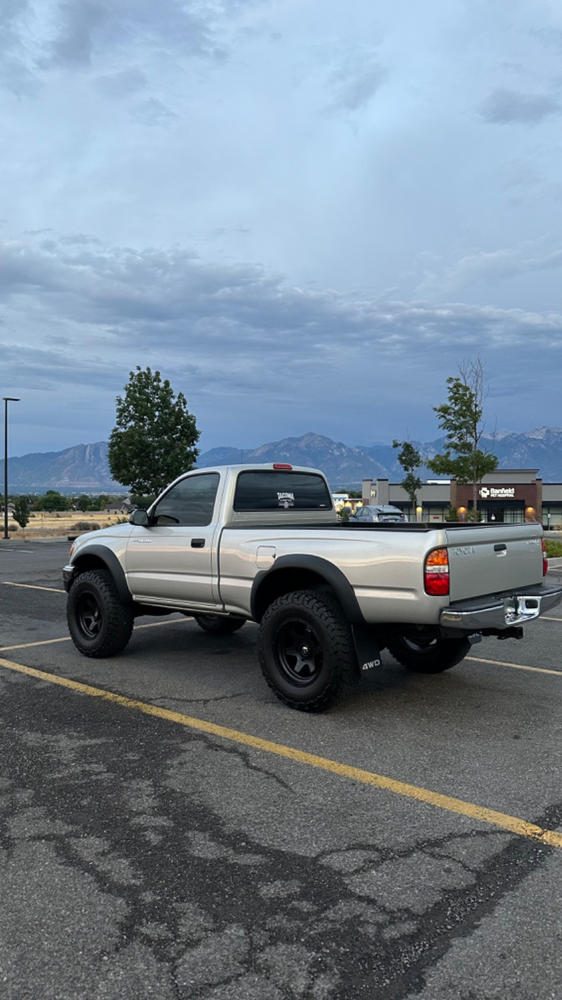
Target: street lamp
column 7, row 399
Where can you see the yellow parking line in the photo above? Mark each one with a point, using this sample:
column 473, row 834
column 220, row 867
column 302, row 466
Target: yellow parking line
column 66, row 638
column 480, row 813
column 34, row 586
column 549, row 618
column 515, row 666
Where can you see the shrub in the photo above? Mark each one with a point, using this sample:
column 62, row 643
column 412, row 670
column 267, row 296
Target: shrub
column 85, row 526
column 553, row 547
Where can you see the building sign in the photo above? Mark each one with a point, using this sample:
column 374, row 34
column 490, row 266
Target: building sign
column 497, row 492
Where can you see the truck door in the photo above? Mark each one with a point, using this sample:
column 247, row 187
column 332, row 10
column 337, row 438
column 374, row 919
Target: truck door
column 174, row 559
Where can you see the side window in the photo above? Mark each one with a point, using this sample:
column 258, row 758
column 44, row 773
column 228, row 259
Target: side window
column 190, row 502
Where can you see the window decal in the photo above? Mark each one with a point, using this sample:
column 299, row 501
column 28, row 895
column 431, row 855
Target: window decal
column 286, row 500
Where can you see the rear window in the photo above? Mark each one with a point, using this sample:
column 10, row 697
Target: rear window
column 281, row 491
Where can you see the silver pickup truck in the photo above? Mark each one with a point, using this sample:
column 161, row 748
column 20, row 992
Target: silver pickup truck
column 264, row 543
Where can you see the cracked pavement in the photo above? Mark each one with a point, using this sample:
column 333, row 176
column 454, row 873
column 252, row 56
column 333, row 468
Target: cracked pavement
column 142, row 859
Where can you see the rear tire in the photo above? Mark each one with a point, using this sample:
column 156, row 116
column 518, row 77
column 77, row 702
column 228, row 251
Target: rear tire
column 220, row 624
column 426, row 653
column 100, row 623
column 306, row 650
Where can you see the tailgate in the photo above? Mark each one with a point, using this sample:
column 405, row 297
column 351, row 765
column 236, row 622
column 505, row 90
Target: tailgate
column 486, row 559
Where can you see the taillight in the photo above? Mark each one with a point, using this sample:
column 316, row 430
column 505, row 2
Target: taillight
column 544, row 559
column 282, row 465
column 436, row 573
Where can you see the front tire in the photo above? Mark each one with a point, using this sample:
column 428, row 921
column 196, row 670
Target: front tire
column 220, row 624
column 100, row 624
column 306, row 650
column 425, row 652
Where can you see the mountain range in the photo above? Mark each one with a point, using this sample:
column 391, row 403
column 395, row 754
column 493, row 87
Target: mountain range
column 84, row 468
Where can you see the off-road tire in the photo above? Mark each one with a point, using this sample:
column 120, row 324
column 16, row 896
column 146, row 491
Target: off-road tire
column 306, row 650
column 427, row 655
column 100, row 623
column 220, row 624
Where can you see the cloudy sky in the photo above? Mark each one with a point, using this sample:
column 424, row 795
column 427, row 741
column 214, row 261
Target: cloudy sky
column 305, row 213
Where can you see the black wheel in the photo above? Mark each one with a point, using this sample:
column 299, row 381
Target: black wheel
column 99, row 622
column 220, row 624
column 306, row 650
column 426, row 652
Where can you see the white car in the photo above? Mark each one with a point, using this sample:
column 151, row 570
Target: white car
column 379, row 513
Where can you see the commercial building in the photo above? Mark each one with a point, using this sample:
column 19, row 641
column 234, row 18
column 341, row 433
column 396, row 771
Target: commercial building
column 506, row 495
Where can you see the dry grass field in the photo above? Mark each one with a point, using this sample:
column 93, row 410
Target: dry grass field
column 59, row 525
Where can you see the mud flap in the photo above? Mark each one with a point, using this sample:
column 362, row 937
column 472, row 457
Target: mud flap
column 366, row 648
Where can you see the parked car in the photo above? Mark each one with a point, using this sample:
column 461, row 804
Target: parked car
column 380, row 513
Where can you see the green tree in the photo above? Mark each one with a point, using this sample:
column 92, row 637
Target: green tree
column 461, row 418
column 50, row 501
column 141, row 500
column 154, row 438
column 21, row 511
column 410, row 460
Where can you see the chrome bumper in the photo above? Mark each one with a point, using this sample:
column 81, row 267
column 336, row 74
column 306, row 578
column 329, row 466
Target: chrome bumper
column 501, row 611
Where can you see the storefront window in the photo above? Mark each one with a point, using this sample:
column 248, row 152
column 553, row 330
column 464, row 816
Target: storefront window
column 552, row 517
column 511, row 516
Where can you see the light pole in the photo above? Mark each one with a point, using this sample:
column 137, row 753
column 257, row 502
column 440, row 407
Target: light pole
column 7, row 399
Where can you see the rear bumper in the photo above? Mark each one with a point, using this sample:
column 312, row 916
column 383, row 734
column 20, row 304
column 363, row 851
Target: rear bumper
column 501, row 611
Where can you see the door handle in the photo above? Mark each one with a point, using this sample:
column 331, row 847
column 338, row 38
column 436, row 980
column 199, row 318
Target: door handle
column 197, row 543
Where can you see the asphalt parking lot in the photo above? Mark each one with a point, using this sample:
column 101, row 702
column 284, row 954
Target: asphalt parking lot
column 170, row 830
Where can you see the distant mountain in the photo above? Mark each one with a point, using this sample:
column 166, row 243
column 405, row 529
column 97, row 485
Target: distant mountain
column 537, row 449
column 346, row 466
column 339, row 462
column 85, row 469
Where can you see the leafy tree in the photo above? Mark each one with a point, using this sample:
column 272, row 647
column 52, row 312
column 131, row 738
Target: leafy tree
column 461, row 418
column 410, row 460
column 99, row 502
column 142, row 500
column 154, row 438
column 22, row 508
column 50, row 501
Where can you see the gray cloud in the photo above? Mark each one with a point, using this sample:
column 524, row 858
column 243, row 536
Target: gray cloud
column 89, row 29
column 356, row 81
column 121, row 84
column 236, row 339
column 165, row 297
column 503, row 106
column 493, row 266
column 152, row 112
column 77, row 28
column 16, row 73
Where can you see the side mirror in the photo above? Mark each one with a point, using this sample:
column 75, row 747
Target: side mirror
column 140, row 518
